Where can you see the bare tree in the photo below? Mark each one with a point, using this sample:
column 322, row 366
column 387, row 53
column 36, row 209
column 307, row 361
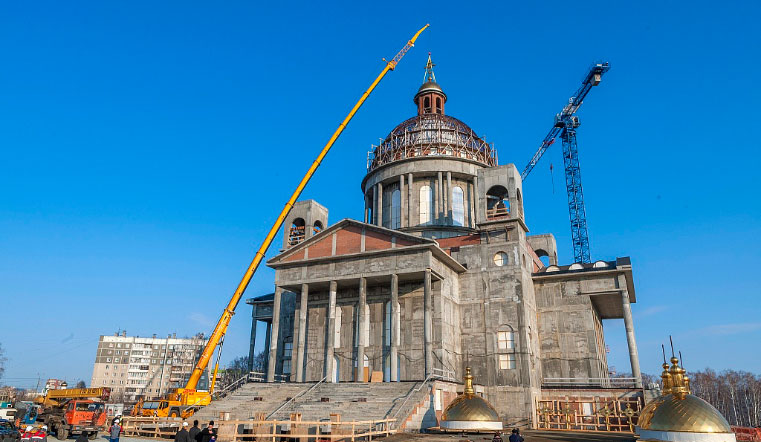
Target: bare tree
column 736, row 394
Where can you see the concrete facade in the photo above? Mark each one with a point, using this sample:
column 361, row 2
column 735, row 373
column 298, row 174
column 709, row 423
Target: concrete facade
column 441, row 274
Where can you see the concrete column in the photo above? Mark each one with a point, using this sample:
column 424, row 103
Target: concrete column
column 379, row 205
column 394, row 328
column 374, row 204
column 359, row 376
column 428, row 322
column 402, row 203
column 476, row 206
column 252, row 344
column 272, row 362
column 267, row 339
column 449, row 198
column 330, row 341
column 439, row 198
column 366, row 208
column 629, row 325
column 302, row 324
column 409, row 200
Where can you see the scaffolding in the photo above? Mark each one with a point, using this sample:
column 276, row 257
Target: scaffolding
column 431, row 135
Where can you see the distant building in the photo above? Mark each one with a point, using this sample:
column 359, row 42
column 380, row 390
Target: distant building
column 135, row 367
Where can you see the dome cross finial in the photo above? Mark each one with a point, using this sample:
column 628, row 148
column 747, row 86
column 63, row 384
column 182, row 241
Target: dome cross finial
column 429, row 75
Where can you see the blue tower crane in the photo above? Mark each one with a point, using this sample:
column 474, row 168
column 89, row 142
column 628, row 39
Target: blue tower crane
column 565, row 126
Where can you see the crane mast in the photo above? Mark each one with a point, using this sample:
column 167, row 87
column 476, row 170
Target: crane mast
column 221, row 327
column 565, row 126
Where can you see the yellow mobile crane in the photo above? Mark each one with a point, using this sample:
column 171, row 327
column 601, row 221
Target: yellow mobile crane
column 191, row 399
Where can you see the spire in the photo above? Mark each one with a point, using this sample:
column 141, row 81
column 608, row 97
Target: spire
column 430, row 98
column 429, row 75
column 468, row 377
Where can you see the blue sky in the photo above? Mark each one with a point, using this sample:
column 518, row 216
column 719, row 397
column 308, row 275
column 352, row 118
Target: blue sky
column 148, row 146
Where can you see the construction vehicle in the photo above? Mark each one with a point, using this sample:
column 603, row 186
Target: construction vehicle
column 566, row 123
column 74, row 411
column 189, row 398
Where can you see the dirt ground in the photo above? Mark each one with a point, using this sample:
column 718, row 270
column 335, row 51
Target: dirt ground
column 529, row 436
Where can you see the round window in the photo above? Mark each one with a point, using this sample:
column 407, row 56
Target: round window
column 500, row 258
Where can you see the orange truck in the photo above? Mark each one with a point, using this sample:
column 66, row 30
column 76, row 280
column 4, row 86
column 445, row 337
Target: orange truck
column 74, row 411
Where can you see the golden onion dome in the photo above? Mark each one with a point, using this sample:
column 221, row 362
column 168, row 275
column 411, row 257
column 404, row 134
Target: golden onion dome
column 690, row 414
column 470, row 411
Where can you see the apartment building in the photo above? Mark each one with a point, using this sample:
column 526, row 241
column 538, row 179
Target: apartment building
column 135, row 367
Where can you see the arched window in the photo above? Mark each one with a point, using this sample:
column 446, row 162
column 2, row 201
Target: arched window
column 497, row 204
column 438, row 105
column 506, row 339
column 426, row 204
column 317, row 228
column 296, row 234
column 396, row 209
column 427, row 104
column 458, row 206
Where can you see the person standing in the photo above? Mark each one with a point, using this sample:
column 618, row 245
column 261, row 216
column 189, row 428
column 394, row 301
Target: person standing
column 208, row 434
column 516, row 436
column 182, row 435
column 114, row 431
column 194, row 430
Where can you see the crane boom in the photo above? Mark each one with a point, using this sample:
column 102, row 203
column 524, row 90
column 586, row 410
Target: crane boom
column 224, row 320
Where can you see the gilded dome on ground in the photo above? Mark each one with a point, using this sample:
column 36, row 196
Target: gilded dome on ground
column 470, row 412
column 691, row 414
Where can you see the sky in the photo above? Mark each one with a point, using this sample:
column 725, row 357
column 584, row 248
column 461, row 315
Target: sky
column 147, row 147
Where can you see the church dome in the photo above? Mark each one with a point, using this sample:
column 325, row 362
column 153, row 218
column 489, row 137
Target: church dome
column 690, row 414
column 470, row 412
column 431, row 132
column 680, row 416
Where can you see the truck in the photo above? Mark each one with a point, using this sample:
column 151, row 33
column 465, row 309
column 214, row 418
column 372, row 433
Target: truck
column 73, row 411
column 7, row 411
column 173, row 405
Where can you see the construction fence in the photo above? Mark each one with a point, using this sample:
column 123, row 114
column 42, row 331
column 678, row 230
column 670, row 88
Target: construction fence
column 259, row 429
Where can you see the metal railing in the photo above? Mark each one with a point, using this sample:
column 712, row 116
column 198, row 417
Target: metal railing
column 591, row 382
column 291, row 400
column 444, row 374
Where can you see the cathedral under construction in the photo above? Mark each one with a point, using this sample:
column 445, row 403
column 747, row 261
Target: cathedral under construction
column 439, row 275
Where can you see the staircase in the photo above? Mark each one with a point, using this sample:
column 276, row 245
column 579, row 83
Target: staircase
column 407, row 402
column 353, row 401
column 251, row 399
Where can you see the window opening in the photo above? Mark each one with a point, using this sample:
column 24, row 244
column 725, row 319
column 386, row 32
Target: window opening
column 497, row 204
column 458, row 206
column 506, row 340
column 426, row 204
column 317, row 228
column 507, row 362
column 396, row 209
column 500, row 259
column 297, row 233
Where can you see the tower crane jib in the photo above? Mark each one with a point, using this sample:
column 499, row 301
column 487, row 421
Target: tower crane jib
column 565, row 127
